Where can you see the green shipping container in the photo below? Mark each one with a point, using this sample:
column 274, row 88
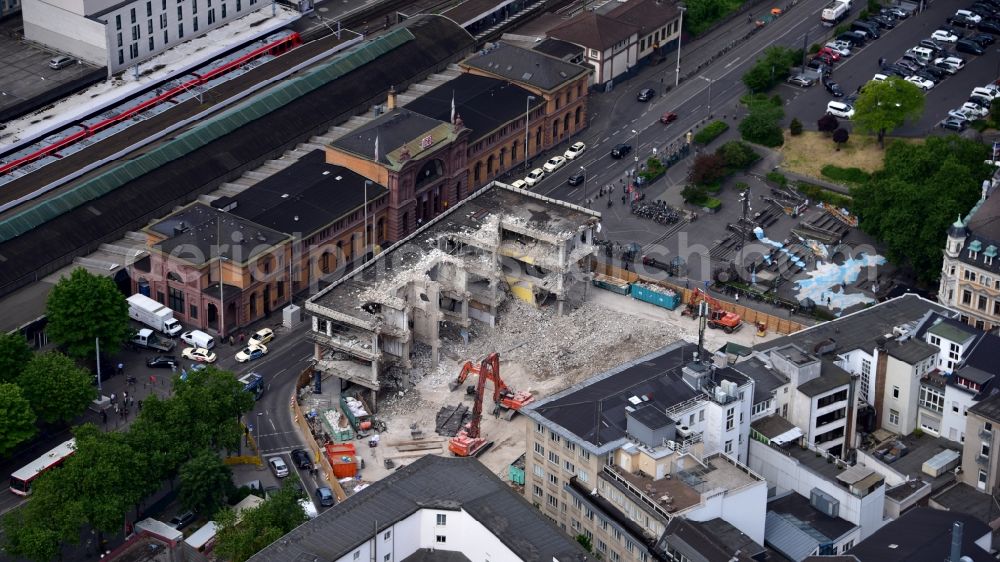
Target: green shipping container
column 516, row 471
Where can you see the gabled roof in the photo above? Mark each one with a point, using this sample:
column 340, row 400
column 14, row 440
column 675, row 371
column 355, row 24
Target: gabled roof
column 527, row 66
column 560, row 49
column 431, row 482
column 985, row 221
column 392, row 133
column 648, row 15
column 594, row 31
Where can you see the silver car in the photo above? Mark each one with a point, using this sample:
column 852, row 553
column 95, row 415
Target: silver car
column 278, row 466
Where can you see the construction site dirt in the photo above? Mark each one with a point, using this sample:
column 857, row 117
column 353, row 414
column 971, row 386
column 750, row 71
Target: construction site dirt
column 541, row 353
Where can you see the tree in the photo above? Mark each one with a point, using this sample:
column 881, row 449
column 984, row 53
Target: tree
column 258, row 527
column 205, row 483
column 827, row 123
column 737, row 155
column 17, row 421
column 770, row 69
column 761, row 129
column 795, row 127
column 14, row 355
column 24, row 538
column 585, row 542
column 707, row 169
column 995, row 112
column 57, row 389
column 83, row 307
column 909, row 204
column 840, row 136
column 886, row 105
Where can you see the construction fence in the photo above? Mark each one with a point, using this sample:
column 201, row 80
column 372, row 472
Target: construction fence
column 315, row 450
column 774, row 323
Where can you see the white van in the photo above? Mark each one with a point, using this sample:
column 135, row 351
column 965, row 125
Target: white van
column 921, row 53
column 197, row 338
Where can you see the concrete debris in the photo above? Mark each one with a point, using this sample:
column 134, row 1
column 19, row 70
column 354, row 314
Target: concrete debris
column 450, row 419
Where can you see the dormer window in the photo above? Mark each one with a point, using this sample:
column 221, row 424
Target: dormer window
column 989, row 254
column 974, row 248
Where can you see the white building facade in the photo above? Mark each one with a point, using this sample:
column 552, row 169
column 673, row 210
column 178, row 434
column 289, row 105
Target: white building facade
column 123, row 34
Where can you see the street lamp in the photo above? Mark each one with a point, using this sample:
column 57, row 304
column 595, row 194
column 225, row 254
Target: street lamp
column 680, row 32
column 260, row 461
column 527, row 109
column 709, row 80
column 636, row 141
column 584, row 183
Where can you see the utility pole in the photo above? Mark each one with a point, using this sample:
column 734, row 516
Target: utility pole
column 680, row 33
column 744, row 220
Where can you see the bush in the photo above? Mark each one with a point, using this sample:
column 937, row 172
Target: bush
column 707, row 169
column 654, row 169
column 795, row 127
column 814, row 48
column 846, row 175
column 840, row 136
column 711, row 132
column 827, row 123
column 874, row 6
column 693, row 194
column 776, row 100
column 817, row 193
column 711, row 203
column 761, row 129
column 737, row 155
column 777, row 177
column 841, row 29
column 863, row 14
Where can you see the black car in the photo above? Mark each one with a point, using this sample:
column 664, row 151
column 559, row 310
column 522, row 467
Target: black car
column 819, row 65
column 834, row 89
column 983, row 39
column 895, row 69
column 182, row 520
column 576, row 179
column 645, row 94
column 621, row 150
column 934, row 46
column 923, row 73
column 301, row 459
column 883, row 22
column 934, row 71
column 952, row 30
column 891, row 14
column 982, row 101
column 960, row 21
column 855, row 39
column 968, row 46
column 989, row 26
column 908, row 64
column 162, row 362
column 984, row 10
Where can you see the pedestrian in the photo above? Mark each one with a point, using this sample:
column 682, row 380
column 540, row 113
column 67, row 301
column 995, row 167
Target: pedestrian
column 231, row 340
column 116, row 407
column 113, row 396
column 737, row 297
column 243, row 335
column 749, row 18
column 121, row 368
column 623, row 199
column 125, row 395
column 152, row 380
column 687, row 283
column 140, row 405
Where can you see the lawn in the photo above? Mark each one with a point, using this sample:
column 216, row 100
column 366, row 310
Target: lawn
column 807, row 153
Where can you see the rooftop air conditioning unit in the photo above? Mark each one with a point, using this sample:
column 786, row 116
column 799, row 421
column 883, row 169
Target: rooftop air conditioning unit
column 683, row 431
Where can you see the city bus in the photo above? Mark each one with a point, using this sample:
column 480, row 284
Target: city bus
column 253, row 382
column 20, row 481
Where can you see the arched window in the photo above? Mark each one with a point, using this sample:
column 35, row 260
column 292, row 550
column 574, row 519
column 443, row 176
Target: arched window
column 171, row 276
column 490, row 162
column 579, row 113
column 566, row 123
column 477, row 172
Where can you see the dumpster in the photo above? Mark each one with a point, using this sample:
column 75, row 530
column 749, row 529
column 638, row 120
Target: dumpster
column 343, row 459
column 612, row 284
column 655, row 294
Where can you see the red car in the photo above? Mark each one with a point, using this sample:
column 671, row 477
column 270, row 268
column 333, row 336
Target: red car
column 668, row 117
column 830, row 53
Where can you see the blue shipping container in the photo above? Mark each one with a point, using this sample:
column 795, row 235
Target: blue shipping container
column 656, row 295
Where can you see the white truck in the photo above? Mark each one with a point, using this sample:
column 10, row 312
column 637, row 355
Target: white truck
column 145, row 338
column 835, row 12
column 153, row 314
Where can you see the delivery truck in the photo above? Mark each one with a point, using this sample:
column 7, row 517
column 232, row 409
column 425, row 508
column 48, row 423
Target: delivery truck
column 835, row 12
column 153, row 314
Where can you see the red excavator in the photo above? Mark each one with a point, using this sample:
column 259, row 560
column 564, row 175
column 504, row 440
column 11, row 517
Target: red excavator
column 468, row 442
column 718, row 318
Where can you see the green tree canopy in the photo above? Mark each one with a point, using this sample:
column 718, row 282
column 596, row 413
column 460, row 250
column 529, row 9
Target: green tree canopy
column 14, row 355
column 885, row 105
column 83, row 307
column 770, row 69
column 17, row 421
column 205, row 483
column 260, row 526
column 909, row 204
column 57, row 389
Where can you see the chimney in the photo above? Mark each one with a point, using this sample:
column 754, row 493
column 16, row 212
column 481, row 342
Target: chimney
column 390, row 104
column 956, row 541
column 881, row 364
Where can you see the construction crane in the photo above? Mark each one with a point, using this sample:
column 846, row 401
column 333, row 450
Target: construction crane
column 468, row 442
column 718, row 318
column 504, row 397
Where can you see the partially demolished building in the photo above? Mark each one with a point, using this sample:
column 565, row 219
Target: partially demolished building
column 456, row 269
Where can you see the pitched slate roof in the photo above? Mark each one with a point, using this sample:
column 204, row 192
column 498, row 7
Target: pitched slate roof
column 594, row 31
column 431, row 482
column 648, row 15
column 527, row 66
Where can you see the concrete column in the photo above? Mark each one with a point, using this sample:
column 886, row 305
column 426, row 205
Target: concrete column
column 433, row 311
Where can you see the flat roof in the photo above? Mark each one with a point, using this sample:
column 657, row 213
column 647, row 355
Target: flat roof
column 528, row 66
column 772, row 426
column 831, row 377
column 799, row 507
column 918, row 451
column 196, row 234
column 304, row 197
column 594, row 410
column 860, row 329
column 766, row 381
column 430, row 482
column 963, row 498
column 490, row 206
column 922, row 534
column 651, row 417
column 911, row 351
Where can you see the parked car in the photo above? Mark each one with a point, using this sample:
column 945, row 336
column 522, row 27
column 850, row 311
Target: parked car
column 575, row 149
column 960, row 114
column 645, row 94
column 934, row 46
column 576, row 179
column 989, row 26
column 908, row 66
column 969, row 15
column 828, row 52
column 879, row 78
column 950, row 65
column 553, row 164
column 819, row 66
column 839, row 109
column 855, row 39
column 982, row 39
column 325, row 496
column 842, row 48
column 519, row 184
column 961, row 21
column 301, row 459
column 278, row 466
column 981, row 101
column 990, row 93
column 62, row 61
column 934, row 71
column 801, row 80
column 967, row 46
column 915, row 60
column 621, row 150
column 251, row 353
column 898, row 12
column 825, row 59
column 944, row 36
column 984, row 11
column 954, row 124
column 162, row 362
column 668, row 118
column 834, row 89
column 534, row 177
column 922, row 73
column 921, row 83
column 974, row 110
column 199, row 354
column 182, row 520
column 262, row 336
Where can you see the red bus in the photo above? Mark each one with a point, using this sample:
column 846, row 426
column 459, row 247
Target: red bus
column 20, row 481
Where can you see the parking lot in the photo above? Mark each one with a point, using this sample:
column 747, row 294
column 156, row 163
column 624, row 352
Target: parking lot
column 26, row 74
column 809, row 104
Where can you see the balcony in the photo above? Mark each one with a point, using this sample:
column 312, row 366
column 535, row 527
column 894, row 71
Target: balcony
column 986, row 434
column 982, row 460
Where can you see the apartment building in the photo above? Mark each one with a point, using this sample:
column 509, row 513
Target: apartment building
column 119, row 34
column 9, row 7
column 981, row 451
column 970, row 271
column 907, row 361
column 616, row 458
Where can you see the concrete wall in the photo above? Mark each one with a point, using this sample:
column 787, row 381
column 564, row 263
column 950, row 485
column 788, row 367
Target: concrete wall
column 956, row 402
column 63, row 30
column 901, row 375
column 976, row 439
column 745, row 509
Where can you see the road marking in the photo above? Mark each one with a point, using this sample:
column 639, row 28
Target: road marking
column 734, row 61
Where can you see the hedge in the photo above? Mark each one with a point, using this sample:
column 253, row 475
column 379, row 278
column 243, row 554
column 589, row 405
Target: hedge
column 846, row 175
column 817, row 193
column 711, row 132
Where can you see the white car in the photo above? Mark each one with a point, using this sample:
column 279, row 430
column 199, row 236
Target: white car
column 960, row 114
column 921, row 83
column 975, row 110
column 879, row 78
column 554, row 164
column 262, row 336
column 575, row 150
column 987, row 93
column 534, row 177
column 278, row 466
column 953, row 63
column 199, row 354
column 251, row 352
column 840, row 48
column 519, row 184
column 966, row 14
column 839, row 109
column 944, row 36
